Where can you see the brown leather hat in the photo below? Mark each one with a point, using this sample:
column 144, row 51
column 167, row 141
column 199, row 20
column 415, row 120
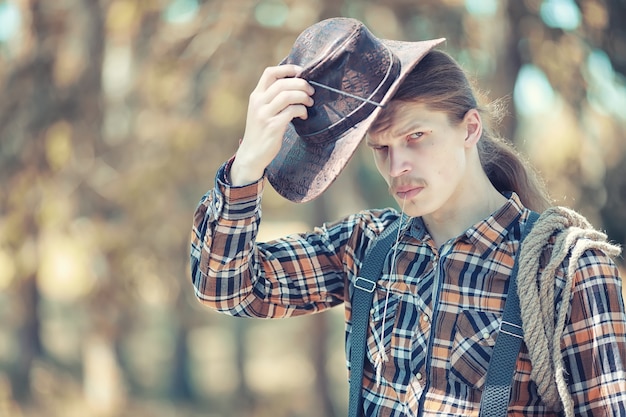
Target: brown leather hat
column 354, row 74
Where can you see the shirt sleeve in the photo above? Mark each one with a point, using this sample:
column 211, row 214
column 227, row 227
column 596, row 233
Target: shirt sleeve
column 295, row 275
column 594, row 341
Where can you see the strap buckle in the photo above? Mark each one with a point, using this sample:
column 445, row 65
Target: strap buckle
column 511, row 329
column 365, row 284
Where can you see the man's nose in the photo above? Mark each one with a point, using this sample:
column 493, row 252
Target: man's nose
column 399, row 163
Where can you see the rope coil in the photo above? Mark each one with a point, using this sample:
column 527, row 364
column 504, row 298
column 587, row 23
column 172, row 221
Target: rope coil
column 543, row 323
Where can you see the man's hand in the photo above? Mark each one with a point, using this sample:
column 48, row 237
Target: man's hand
column 276, row 100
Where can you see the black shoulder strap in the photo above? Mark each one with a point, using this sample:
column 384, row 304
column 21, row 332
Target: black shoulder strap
column 497, row 392
column 362, row 297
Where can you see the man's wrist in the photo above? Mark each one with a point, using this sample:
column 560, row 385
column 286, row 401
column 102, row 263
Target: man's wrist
column 242, row 173
column 237, row 199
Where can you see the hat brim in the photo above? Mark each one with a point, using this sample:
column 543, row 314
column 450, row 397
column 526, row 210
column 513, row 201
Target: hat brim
column 301, row 171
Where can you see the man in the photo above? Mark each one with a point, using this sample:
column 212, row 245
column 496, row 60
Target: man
column 439, row 300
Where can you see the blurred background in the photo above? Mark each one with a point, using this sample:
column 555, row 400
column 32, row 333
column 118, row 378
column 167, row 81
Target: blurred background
column 116, row 114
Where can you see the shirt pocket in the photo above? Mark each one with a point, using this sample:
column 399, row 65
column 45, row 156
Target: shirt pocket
column 473, row 339
column 392, row 334
column 381, row 323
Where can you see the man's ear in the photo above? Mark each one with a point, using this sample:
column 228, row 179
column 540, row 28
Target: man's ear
column 474, row 127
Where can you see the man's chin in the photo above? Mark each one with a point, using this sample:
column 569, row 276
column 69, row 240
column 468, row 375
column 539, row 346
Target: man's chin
column 412, row 208
column 405, row 206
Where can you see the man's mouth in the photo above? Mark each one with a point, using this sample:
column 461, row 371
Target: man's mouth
column 408, row 192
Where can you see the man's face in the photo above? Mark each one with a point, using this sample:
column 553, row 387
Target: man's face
column 421, row 155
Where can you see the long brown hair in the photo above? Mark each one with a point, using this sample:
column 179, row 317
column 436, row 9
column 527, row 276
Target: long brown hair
column 440, row 83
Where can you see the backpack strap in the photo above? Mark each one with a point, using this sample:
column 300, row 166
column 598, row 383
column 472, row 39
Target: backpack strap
column 497, row 392
column 362, row 297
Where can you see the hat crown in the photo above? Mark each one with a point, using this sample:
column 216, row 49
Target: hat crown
column 342, row 54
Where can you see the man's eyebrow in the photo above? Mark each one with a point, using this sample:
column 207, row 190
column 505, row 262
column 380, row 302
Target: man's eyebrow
column 407, row 128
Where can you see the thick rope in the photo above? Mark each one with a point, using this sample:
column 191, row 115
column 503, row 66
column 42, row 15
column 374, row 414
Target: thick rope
column 543, row 326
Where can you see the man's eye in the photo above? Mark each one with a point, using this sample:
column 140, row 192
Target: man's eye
column 415, row 135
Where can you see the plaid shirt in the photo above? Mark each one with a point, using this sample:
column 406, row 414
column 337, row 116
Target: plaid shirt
column 437, row 312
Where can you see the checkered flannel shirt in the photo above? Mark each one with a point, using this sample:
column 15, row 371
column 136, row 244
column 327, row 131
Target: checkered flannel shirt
column 443, row 310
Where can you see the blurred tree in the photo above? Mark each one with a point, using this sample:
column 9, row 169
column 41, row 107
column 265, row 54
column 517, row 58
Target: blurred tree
column 564, row 39
column 39, row 96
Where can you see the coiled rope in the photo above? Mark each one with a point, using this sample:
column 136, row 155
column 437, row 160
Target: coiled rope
column 543, row 324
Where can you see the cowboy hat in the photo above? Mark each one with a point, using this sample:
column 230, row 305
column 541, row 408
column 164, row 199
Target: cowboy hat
column 354, row 74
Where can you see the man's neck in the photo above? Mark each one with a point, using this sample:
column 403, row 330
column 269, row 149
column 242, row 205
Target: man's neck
column 472, row 204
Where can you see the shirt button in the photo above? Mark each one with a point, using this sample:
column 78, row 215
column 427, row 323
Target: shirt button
column 485, row 335
column 419, row 376
column 426, row 319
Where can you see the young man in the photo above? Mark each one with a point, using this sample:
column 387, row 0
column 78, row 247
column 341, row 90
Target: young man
column 439, row 300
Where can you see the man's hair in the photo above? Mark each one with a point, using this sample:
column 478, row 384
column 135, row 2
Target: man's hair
column 442, row 85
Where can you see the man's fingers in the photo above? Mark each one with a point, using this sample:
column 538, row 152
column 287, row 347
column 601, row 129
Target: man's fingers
column 271, row 74
column 287, row 84
column 291, row 112
column 288, row 98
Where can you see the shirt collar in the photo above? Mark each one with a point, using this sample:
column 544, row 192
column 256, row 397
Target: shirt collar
column 485, row 235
